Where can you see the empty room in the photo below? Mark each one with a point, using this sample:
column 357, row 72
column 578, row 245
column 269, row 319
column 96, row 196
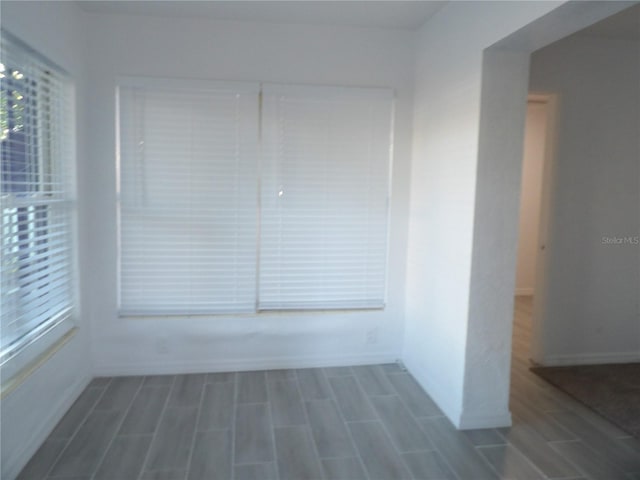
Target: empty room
column 333, row 240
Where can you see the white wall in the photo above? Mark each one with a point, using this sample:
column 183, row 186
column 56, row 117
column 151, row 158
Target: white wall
column 454, row 345
column 466, row 169
column 531, row 189
column 200, row 48
column 593, row 289
column 445, row 153
column 30, row 412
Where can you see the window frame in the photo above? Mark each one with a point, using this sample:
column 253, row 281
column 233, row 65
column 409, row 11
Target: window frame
column 56, row 152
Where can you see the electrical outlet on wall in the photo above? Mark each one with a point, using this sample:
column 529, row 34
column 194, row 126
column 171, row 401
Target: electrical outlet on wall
column 371, row 337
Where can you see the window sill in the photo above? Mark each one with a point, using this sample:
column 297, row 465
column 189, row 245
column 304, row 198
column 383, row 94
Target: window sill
column 18, row 378
column 251, row 314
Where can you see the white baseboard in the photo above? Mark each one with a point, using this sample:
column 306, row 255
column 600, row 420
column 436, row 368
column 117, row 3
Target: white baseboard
column 524, row 291
column 59, row 406
column 460, row 419
column 215, row 365
column 588, row 359
column 472, row 422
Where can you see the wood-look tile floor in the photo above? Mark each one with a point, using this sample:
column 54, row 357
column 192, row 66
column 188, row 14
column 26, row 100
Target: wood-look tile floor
column 347, row 423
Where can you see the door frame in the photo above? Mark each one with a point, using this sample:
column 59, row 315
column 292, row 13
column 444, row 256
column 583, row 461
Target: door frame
column 545, row 221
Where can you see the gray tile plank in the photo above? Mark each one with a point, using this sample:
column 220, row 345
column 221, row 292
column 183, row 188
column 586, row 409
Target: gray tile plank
column 328, row 430
column 84, row 452
column 286, row 404
column 510, row 463
column 295, row 453
column 337, row 371
column 211, row 458
column 119, row 394
column 43, row 460
column 417, row 401
column 187, row 390
column 145, row 411
column 253, row 439
column 351, row 400
column 484, row 437
column 100, row 382
column 377, row 453
column 217, row 406
column 390, row 368
column 589, row 462
column 158, row 380
column 172, row 443
column 536, row 448
column 601, row 423
column 631, row 443
column 252, row 387
column 74, row 477
column 373, row 380
column 457, row 450
column 616, row 450
column 542, row 423
column 257, row 471
column 405, row 433
column 164, row 475
column 313, row 384
column 221, row 377
column 348, row 468
column 538, row 399
column 280, row 375
column 74, row 417
column 428, row 466
column 125, row 458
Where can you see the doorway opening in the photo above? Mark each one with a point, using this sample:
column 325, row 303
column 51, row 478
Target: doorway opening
column 575, row 312
column 535, row 205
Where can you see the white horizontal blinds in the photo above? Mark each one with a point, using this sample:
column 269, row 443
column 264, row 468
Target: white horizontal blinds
column 324, row 197
column 188, row 183
column 35, row 196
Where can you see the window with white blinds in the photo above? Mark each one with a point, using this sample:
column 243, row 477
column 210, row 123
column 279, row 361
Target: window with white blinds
column 238, row 198
column 36, row 198
column 188, row 197
column 324, row 197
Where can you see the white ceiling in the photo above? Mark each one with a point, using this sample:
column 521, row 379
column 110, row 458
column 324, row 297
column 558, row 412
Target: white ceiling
column 407, row 15
column 624, row 25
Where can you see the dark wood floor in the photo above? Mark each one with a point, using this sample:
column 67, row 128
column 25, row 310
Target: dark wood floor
column 344, row 423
